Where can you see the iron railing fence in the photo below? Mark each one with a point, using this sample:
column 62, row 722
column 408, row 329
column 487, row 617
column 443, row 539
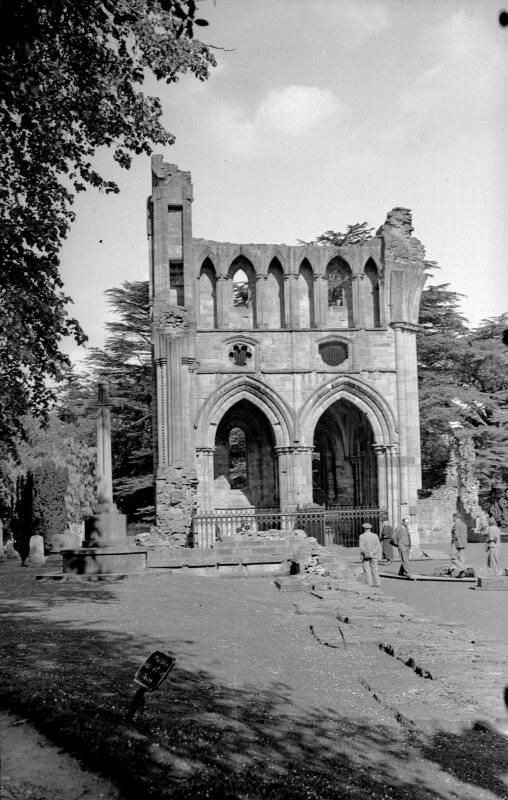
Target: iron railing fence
column 339, row 525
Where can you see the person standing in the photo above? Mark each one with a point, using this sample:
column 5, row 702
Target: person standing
column 493, row 547
column 386, row 541
column 402, row 540
column 459, row 541
column 370, row 553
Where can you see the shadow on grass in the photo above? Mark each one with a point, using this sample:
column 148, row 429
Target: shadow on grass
column 198, row 738
column 476, row 757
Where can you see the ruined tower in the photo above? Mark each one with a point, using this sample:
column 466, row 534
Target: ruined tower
column 283, row 375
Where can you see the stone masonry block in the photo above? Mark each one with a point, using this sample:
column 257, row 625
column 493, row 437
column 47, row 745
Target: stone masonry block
column 498, row 583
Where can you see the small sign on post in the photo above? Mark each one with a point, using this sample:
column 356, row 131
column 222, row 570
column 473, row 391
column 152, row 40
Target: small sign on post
column 149, row 677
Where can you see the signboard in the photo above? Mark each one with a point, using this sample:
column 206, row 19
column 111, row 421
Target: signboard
column 156, row 667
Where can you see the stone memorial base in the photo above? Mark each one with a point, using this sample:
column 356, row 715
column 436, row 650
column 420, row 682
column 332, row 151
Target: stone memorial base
column 498, row 583
column 104, row 560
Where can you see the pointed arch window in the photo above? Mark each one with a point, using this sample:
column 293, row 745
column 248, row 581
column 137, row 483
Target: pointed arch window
column 371, row 301
column 241, row 289
column 243, row 294
column 237, row 450
column 207, row 286
column 273, row 300
column 305, row 296
column 340, row 294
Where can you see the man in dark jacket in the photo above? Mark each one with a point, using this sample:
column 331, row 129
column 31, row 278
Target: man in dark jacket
column 386, row 537
column 402, row 539
column 459, row 541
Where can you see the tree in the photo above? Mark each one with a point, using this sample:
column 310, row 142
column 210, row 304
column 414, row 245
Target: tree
column 71, row 78
column 441, row 349
column 52, row 483
column 463, row 384
column 488, row 370
column 355, row 234
column 125, row 363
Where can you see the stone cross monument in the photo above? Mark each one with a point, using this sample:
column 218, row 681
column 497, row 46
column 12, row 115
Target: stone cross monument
column 104, row 462
column 107, row 527
column 106, row 549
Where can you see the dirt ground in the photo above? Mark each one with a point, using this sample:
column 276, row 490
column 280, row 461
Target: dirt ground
column 259, row 705
column 482, row 611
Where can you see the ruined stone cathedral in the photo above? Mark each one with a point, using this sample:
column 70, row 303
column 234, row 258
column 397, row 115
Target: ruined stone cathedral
column 283, row 375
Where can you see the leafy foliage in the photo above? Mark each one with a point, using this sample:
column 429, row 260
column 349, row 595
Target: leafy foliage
column 49, row 484
column 441, row 347
column 71, row 78
column 355, row 234
column 54, row 476
column 125, row 364
column 463, row 383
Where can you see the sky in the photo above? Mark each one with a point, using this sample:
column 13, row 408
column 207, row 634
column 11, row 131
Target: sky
column 322, row 113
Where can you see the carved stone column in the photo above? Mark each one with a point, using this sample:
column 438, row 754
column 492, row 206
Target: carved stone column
column 290, row 301
column 161, row 383
column 382, row 475
column 295, row 476
column 356, row 296
column 204, row 469
column 221, row 289
column 392, row 474
column 260, row 309
column 286, row 487
column 321, row 300
column 302, row 461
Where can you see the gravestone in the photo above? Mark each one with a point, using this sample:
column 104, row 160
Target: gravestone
column 36, row 554
column 10, row 551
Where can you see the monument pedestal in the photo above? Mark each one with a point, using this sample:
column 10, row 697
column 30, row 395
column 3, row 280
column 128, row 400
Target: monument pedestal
column 106, row 550
column 104, row 560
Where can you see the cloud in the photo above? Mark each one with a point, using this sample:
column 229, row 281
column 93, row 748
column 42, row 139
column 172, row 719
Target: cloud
column 294, row 111
column 356, row 22
column 466, row 84
column 234, row 133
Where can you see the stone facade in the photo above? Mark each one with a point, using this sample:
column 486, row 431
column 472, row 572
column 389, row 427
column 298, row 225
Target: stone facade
column 283, row 375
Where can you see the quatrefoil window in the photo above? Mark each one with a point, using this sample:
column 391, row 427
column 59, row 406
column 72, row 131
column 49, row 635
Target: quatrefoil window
column 240, row 354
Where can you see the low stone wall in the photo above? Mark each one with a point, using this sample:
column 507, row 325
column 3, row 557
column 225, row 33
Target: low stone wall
column 269, row 552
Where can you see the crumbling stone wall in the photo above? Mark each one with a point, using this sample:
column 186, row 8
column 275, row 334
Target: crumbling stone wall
column 459, row 493
column 468, row 501
column 176, row 487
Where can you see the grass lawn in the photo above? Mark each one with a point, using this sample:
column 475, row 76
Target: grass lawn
column 219, row 726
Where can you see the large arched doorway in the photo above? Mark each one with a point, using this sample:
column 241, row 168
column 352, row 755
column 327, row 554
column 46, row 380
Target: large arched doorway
column 245, row 465
column 344, row 471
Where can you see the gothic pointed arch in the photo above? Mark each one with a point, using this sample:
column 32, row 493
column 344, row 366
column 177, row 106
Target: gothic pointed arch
column 370, row 295
column 305, row 295
column 244, row 468
column 273, row 304
column 340, row 294
column 242, row 311
column 244, row 387
column 207, row 286
column 370, row 402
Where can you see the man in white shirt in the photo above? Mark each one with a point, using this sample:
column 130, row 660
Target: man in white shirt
column 370, row 553
column 493, row 547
